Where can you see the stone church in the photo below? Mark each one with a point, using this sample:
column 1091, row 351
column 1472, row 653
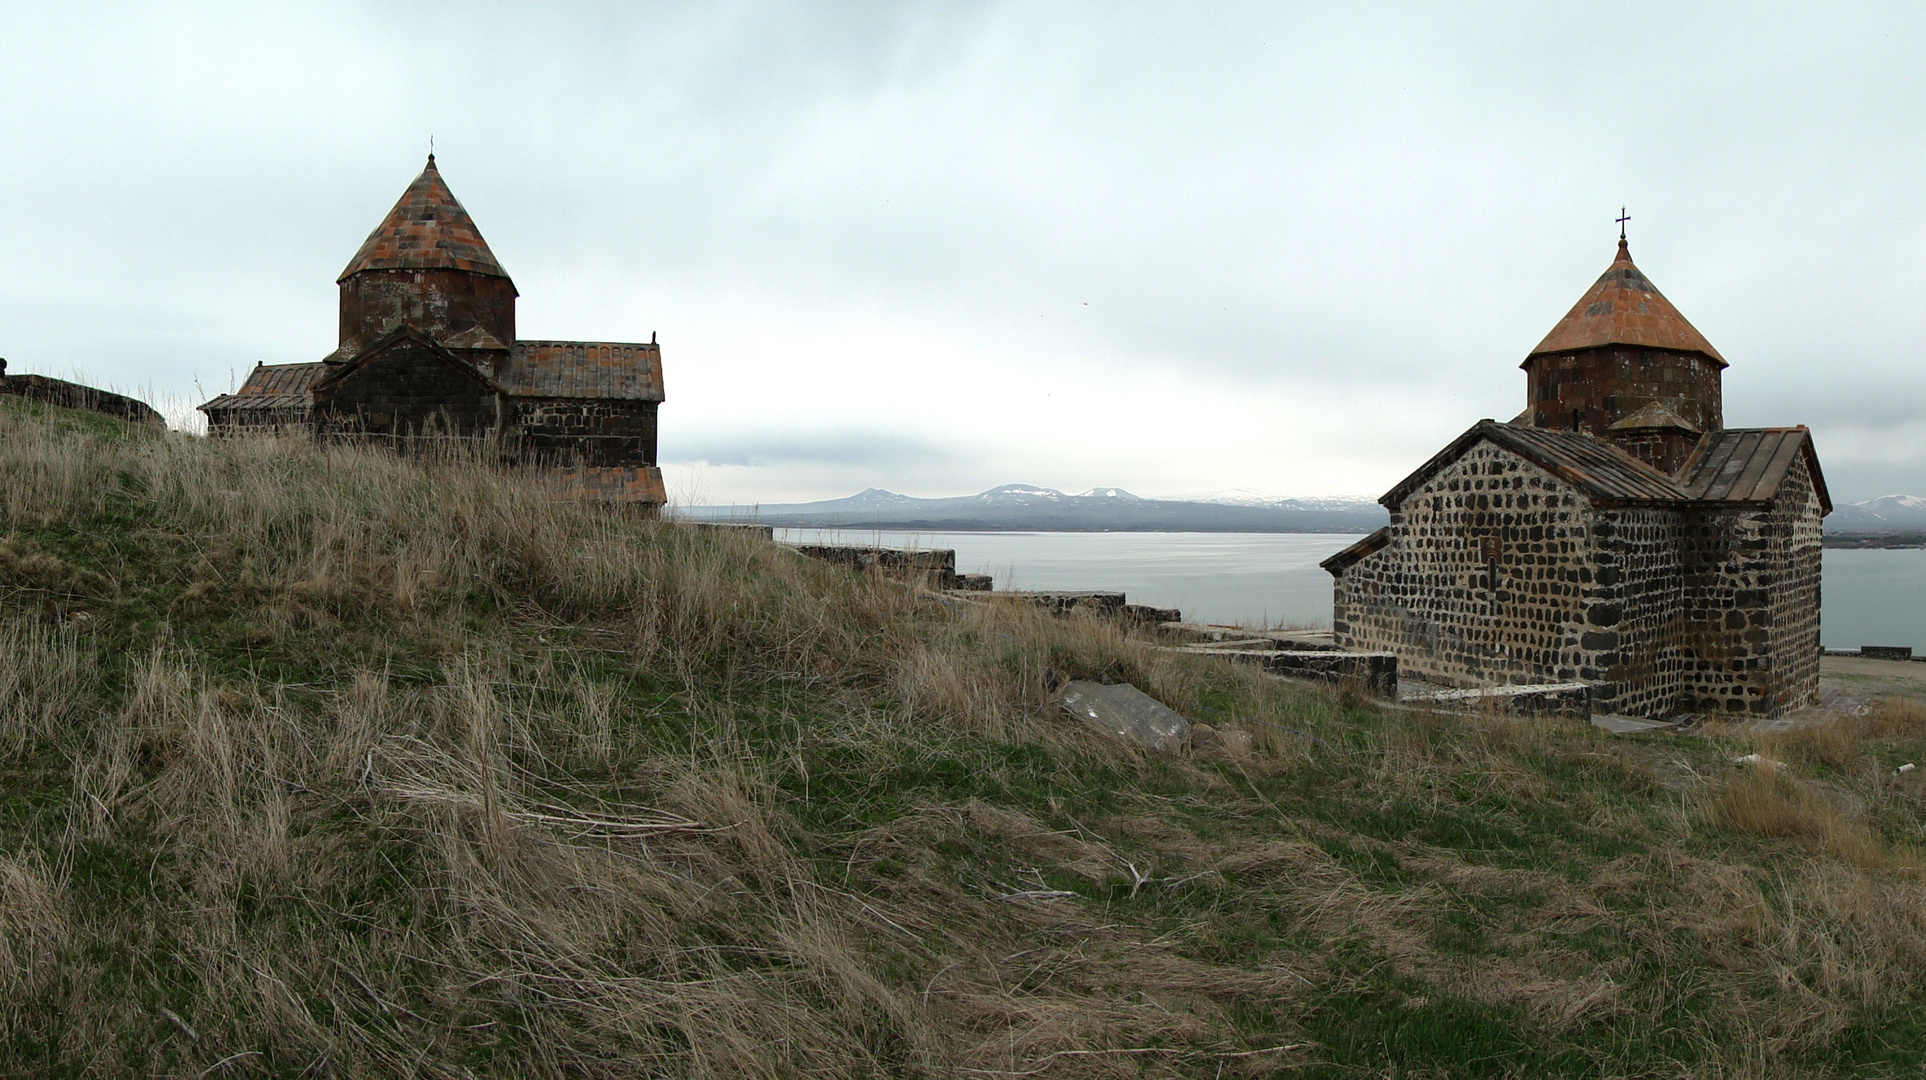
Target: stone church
column 428, row 351
column 1616, row 532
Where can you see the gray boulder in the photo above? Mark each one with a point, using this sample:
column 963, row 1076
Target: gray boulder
column 1129, row 713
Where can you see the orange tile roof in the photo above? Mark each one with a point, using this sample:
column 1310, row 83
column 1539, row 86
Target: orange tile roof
column 427, row 230
column 1625, row 308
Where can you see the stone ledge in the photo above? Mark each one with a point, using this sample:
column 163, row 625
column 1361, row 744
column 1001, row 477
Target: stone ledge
column 1376, row 673
column 1572, row 700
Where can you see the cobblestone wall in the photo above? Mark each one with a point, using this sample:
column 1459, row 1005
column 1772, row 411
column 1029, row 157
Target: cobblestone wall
column 1497, row 572
column 1484, row 581
column 1795, row 591
column 1751, row 611
column 1629, row 642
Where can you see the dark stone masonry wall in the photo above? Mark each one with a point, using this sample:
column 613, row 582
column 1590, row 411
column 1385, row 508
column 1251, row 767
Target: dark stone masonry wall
column 1484, row 581
column 248, row 419
column 1629, row 642
column 1752, row 611
column 1498, row 573
column 1667, row 451
column 1607, row 385
column 605, row 432
column 408, row 393
column 1751, row 616
column 439, row 303
column 1795, row 591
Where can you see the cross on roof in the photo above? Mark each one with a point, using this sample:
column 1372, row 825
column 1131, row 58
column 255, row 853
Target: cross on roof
column 1623, row 217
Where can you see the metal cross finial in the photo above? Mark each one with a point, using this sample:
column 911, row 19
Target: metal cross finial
column 1623, row 217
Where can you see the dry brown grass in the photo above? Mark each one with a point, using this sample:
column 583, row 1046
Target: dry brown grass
column 316, row 762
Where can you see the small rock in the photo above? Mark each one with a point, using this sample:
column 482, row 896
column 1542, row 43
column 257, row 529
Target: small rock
column 1127, row 712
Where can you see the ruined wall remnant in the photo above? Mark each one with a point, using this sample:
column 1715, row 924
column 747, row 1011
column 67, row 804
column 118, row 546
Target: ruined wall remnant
column 69, row 395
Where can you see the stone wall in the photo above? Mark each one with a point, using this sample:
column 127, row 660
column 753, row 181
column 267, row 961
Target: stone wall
column 246, row 418
column 1607, row 385
column 409, row 394
column 1498, row 573
column 1794, row 593
column 1484, row 581
column 1629, row 644
column 439, row 303
column 605, row 432
column 1750, row 616
column 1666, row 450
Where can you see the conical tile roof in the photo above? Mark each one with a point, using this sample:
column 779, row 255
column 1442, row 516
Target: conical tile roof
column 1625, row 308
column 427, row 230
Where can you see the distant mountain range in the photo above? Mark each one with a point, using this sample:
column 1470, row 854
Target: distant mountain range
column 1027, row 507
column 1889, row 513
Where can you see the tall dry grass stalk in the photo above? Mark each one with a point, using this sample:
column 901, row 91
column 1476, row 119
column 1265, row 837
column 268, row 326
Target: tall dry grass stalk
column 314, row 761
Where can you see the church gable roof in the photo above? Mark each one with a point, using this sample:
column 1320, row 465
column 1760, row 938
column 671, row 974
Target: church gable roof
column 427, row 230
column 1623, row 307
column 1600, row 470
column 1748, row 465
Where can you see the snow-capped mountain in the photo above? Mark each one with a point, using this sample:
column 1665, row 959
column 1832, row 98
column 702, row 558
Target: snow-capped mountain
column 1883, row 514
column 877, row 497
column 1020, row 495
column 1030, row 506
column 1247, row 497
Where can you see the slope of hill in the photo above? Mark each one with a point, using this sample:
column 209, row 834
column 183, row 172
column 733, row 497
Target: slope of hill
column 316, row 763
column 1028, row 507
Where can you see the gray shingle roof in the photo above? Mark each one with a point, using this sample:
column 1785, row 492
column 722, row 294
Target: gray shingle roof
column 1741, row 465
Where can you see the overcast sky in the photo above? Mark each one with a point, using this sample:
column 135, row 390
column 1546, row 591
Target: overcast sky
column 1178, row 248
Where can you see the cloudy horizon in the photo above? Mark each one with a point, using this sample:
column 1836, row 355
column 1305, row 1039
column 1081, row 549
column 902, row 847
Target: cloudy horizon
column 935, row 248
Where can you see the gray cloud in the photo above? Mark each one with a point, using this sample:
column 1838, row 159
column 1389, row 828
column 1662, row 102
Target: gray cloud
column 841, row 448
column 1298, row 247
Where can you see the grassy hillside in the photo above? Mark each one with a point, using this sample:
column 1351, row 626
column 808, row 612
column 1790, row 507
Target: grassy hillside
column 317, row 763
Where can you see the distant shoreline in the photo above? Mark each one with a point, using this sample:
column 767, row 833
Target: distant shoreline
column 979, row 527
column 1894, row 541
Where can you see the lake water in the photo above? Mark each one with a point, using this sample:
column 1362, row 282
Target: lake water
column 1870, row 597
